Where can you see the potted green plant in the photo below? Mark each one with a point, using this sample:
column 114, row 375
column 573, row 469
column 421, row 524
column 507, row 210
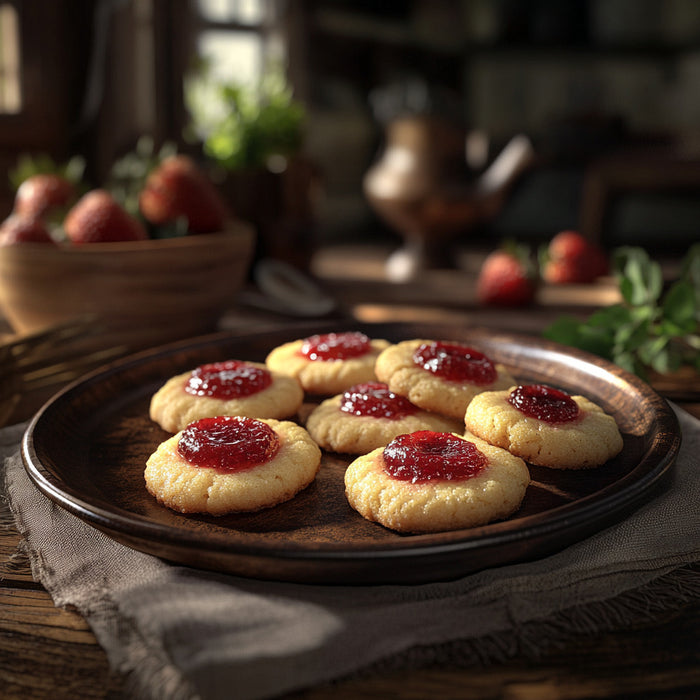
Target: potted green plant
column 253, row 135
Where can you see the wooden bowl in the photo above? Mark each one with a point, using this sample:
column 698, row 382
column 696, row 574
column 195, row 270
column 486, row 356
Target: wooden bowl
column 140, row 293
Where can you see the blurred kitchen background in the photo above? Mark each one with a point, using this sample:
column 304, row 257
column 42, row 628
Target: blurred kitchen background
column 593, row 106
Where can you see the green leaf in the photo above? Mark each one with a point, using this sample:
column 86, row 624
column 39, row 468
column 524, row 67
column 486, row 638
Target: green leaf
column 671, row 329
column 691, row 264
column 666, row 360
column 599, row 341
column 563, row 330
column 626, row 360
column 648, row 283
column 568, row 330
column 631, row 336
column 679, row 304
column 74, row 169
column 650, row 349
column 610, row 316
column 640, row 279
column 648, row 313
column 661, row 361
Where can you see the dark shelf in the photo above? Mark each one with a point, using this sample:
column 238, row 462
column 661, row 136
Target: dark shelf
column 399, row 32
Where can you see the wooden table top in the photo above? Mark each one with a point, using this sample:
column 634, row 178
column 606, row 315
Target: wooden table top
column 48, row 652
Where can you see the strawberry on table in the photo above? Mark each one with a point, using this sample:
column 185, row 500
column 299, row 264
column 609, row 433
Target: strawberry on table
column 562, row 272
column 568, row 245
column 18, row 229
column 506, row 278
column 97, row 217
column 41, row 194
column 179, row 189
column 572, row 258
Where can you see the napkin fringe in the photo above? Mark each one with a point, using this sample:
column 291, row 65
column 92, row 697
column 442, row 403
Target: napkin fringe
column 640, row 606
column 18, row 559
column 533, row 640
column 7, row 520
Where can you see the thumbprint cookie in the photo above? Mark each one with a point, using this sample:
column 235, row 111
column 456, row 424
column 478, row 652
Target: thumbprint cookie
column 230, row 388
column 439, row 376
column 545, row 426
column 368, row 416
column 329, row 363
column 231, row 464
column 431, row 482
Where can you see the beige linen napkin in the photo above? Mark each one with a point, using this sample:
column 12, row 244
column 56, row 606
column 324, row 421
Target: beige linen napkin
column 177, row 632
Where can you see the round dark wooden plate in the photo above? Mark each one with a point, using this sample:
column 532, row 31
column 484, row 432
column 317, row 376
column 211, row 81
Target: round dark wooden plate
column 86, row 450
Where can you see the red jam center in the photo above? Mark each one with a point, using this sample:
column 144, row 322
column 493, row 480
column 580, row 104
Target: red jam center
column 456, row 363
column 428, row 456
column 228, row 443
column 335, row 346
column 377, row 400
column 544, row 403
column 227, row 380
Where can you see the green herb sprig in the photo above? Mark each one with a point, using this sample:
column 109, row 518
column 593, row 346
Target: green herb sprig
column 656, row 327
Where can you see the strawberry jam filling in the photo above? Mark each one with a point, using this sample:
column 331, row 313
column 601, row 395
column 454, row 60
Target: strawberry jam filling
column 429, row 456
column 544, row 403
column 456, row 363
column 232, row 379
column 228, row 444
column 377, row 400
column 335, row 346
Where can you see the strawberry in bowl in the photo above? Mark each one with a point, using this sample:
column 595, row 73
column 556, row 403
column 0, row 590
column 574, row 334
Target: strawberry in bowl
column 97, row 217
column 16, row 230
column 177, row 188
column 41, row 194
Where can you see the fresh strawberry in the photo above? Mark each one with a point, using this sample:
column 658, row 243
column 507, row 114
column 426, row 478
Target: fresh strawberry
column 568, row 245
column 571, row 258
column 582, row 270
column 179, row 189
column 97, row 217
column 561, row 272
column 43, row 193
column 18, row 229
column 506, row 279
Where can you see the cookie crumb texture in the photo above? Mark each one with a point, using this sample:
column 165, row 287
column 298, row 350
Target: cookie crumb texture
column 587, row 442
column 396, row 367
column 437, row 506
column 186, row 488
column 174, row 409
